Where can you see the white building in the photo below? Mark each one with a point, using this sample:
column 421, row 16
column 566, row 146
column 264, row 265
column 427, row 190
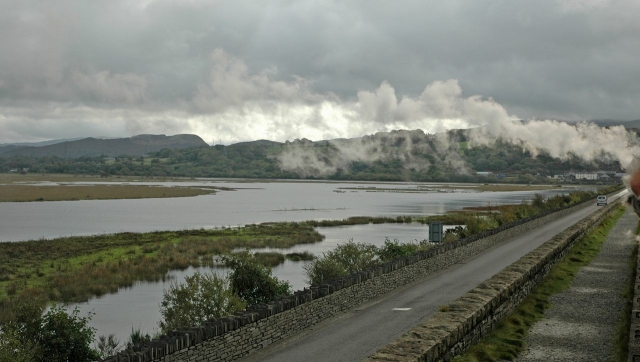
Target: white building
column 587, row 176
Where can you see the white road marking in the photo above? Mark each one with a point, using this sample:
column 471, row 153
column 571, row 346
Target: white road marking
column 402, row 309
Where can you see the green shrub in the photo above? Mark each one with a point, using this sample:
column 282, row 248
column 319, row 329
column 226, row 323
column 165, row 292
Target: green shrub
column 200, row 298
column 107, row 346
column 394, row 249
column 323, row 268
column 138, row 337
column 343, row 260
column 252, row 281
column 538, row 201
column 54, row 336
column 66, row 337
column 475, row 224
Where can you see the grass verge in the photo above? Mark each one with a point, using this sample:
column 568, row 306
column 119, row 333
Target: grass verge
column 506, row 342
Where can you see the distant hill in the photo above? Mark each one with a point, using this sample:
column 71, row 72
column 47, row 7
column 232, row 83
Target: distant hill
column 43, row 143
column 627, row 124
column 9, row 148
column 611, row 123
column 135, row 146
column 399, row 155
column 258, row 143
column 6, row 147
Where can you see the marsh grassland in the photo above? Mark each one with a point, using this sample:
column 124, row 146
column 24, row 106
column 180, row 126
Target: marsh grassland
column 24, row 188
column 23, row 193
column 74, row 269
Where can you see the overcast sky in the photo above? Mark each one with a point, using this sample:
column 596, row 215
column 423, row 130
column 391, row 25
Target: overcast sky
column 238, row 70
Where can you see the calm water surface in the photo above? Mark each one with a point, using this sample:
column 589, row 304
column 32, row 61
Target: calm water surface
column 138, row 307
column 252, row 202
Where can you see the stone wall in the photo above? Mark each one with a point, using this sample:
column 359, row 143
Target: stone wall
column 451, row 331
column 233, row 337
column 634, row 330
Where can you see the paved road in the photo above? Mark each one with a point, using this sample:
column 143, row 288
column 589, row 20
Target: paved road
column 355, row 335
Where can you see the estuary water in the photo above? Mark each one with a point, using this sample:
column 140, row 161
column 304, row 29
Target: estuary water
column 251, row 202
column 138, row 307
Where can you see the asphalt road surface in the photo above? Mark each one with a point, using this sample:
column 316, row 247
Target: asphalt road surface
column 355, row 335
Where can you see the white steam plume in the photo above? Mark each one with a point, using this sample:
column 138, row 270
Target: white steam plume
column 242, row 106
column 585, row 140
column 326, row 158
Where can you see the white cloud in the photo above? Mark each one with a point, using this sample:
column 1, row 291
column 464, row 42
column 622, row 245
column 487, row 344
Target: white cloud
column 242, row 106
column 129, row 88
column 243, row 70
column 440, row 103
column 583, row 5
column 232, row 86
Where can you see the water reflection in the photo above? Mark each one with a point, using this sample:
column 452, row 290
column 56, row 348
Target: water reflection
column 138, row 307
column 253, row 202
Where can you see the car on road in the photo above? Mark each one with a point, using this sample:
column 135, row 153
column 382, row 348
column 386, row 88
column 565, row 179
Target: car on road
column 601, row 200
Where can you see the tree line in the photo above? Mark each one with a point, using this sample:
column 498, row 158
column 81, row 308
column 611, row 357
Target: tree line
column 424, row 163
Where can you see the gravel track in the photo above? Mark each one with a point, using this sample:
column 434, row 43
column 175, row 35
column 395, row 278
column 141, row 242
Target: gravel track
column 580, row 326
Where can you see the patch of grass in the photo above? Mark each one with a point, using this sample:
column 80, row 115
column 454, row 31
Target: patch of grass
column 624, row 322
column 513, row 187
column 74, row 269
column 506, row 342
column 465, row 187
column 6, row 178
column 360, row 220
column 304, row 256
column 269, row 259
column 21, row 192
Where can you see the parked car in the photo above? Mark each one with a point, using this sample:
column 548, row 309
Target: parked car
column 601, row 200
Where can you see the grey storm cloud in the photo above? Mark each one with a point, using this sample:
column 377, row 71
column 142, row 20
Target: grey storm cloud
column 241, row 70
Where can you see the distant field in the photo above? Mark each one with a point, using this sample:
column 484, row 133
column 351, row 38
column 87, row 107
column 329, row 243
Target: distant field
column 508, row 187
column 21, row 193
column 469, row 187
column 22, row 188
column 34, row 177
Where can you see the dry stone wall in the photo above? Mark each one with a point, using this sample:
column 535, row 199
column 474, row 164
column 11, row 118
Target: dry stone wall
column 634, row 332
column 469, row 318
column 236, row 336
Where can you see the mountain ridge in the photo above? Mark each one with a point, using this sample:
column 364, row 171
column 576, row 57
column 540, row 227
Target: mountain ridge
column 138, row 145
